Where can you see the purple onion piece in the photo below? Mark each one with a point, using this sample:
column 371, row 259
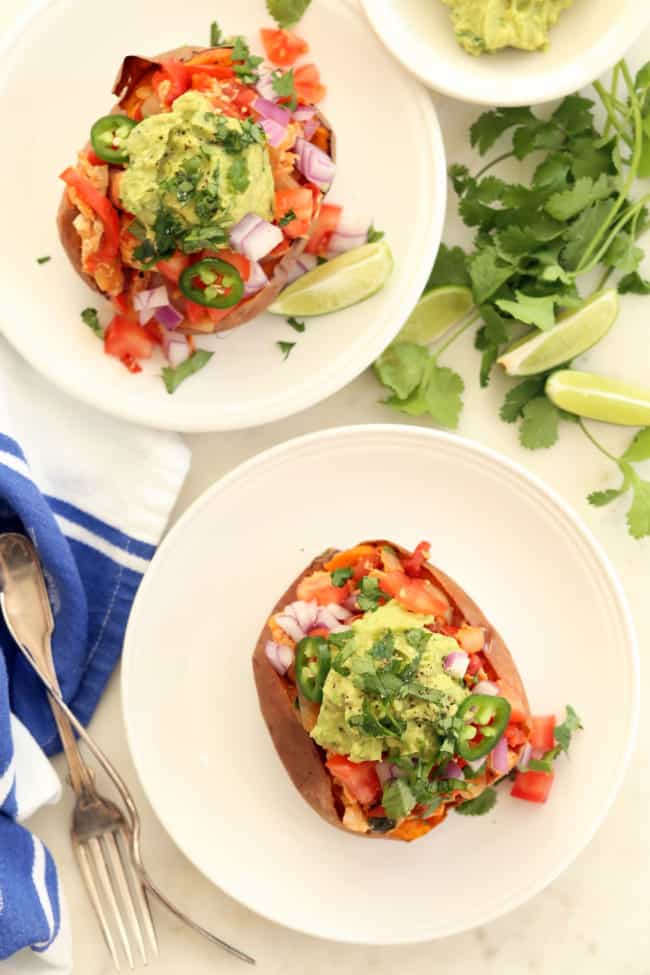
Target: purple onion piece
column 452, row 770
column 151, row 298
column 169, row 317
column 486, row 687
column 499, row 756
column 241, row 230
column 279, row 656
column 257, row 280
column 275, row 133
column 456, row 663
column 290, row 627
column 274, row 113
column 525, row 755
column 304, row 613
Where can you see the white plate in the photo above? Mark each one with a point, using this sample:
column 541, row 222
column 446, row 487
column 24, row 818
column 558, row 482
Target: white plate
column 55, row 80
column 587, row 40
column 201, row 747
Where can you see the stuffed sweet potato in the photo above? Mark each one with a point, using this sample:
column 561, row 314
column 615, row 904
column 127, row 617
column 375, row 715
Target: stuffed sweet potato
column 389, row 696
column 195, row 197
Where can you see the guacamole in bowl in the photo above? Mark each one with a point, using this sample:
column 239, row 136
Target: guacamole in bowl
column 490, row 25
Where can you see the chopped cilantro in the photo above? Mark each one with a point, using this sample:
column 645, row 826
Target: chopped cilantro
column 295, row 324
column 285, row 348
column 172, row 378
column 287, row 13
column 44, row 259
column 216, row 34
column 398, row 799
column 339, row 576
column 482, row 804
column 288, row 218
column 238, row 175
column 245, row 64
column 370, row 594
column 284, row 86
column 90, row 318
column 203, row 238
column 374, row 235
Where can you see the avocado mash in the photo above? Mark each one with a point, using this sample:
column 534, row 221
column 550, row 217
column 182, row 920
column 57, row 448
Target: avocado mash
column 488, row 25
column 195, row 168
column 388, row 690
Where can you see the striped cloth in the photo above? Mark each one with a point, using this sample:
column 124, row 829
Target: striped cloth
column 94, row 495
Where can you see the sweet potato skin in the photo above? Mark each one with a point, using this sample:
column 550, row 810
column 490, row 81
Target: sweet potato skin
column 133, row 71
column 302, row 758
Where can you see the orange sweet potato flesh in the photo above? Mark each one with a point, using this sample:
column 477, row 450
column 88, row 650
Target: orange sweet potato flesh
column 302, row 758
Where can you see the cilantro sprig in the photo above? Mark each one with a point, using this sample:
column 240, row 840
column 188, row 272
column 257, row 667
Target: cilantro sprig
column 536, row 241
column 287, row 13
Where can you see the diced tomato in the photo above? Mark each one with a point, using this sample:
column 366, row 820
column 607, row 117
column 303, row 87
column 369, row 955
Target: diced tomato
column 309, row 89
column 518, row 713
column 238, row 261
column 532, row 786
column 110, row 242
column 213, row 55
column 359, row 778
column 93, row 158
column 475, row 663
column 413, row 564
column 445, row 628
column 326, row 224
column 542, row 735
column 318, row 586
column 319, row 631
column 194, row 312
column 301, row 202
column 128, row 341
column 515, row 736
column 121, row 303
column 416, row 595
column 283, row 47
column 349, row 557
column 245, row 97
column 220, row 71
column 172, row 267
column 179, row 76
column 377, row 812
column 153, row 330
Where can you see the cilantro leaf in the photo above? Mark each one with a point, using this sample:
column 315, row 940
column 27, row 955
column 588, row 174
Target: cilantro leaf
column 216, row 34
column 402, row 367
column 638, row 517
column 90, row 318
column 413, row 405
column 564, row 731
column 488, row 273
column 172, row 378
column 553, row 171
column 371, row 596
column 569, row 203
column 284, row 86
column 374, row 235
column 519, row 396
column 285, row 348
column 575, row 114
column 443, row 395
column 398, row 799
column 489, row 339
column 295, row 324
column 536, row 135
column 238, row 175
column 531, row 310
column 634, row 284
column 482, row 804
column 639, row 448
column 44, row 259
column 623, row 254
column 579, row 233
column 450, row 268
column 490, row 125
column 341, row 576
column 287, row 13
column 539, row 427
column 600, row 498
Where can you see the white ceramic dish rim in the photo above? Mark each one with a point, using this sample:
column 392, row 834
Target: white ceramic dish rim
column 203, row 421
column 559, row 82
column 547, row 494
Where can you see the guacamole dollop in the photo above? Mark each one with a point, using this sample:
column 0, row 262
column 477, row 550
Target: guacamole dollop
column 196, row 168
column 388, row 691
column 488, row 25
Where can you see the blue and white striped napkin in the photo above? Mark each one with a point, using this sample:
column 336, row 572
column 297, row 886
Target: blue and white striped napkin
column 94, row 495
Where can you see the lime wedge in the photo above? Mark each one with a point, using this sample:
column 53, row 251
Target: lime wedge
column 343, row 281
column 574, row 334
column 435, row 312
column 599, row 397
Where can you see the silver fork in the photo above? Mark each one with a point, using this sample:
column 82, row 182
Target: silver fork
column 106, row 841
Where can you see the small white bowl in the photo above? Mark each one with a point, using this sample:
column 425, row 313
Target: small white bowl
column 588, row 39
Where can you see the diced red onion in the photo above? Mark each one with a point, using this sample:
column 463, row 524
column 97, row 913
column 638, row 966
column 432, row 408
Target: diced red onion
column 452, row 770
column 471, row 638
column 176, row 347
column 384, row 772
column 486, row 687
column 257, row 279
column 314, row 164
column 306, row 262
column 290, row 627
column 169, row 317
column 151, row 298
column 348, row 236
column 327, row 619
column 340, row 612
column 476, row 764
column 279, row 656
column 499, row 756
column 525, row 756
column 352, row 603
column 254, row 237
column 304, row 613
column 456, row 663
column 265, row 87
column 275, row 134
column 304, row 113
column 269, row 110
column 309, row 129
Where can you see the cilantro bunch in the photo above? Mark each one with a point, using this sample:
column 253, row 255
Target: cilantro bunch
column 535, row 243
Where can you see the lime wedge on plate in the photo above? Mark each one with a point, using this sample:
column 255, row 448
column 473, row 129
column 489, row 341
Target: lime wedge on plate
column 599, row 397
column 435, row 312
column 341, row 282
column 574, row 334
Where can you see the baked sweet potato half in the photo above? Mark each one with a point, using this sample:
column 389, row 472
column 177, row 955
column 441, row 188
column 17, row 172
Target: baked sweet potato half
column 197, row 185
column 389, row 696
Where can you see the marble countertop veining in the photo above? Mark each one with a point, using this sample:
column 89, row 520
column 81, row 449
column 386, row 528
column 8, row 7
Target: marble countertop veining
column 594, row 918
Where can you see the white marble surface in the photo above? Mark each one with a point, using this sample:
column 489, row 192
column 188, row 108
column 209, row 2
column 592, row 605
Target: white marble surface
column 593, row 919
